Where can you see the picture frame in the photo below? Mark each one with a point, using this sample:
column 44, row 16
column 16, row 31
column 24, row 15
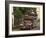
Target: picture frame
column 9, row 5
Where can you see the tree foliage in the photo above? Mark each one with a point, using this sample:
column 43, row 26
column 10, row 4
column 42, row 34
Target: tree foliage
column 18, row 12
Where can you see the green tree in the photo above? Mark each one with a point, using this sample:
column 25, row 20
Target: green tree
column 18, row 14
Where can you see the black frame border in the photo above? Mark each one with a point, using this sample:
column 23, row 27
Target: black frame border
column 7, row 18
